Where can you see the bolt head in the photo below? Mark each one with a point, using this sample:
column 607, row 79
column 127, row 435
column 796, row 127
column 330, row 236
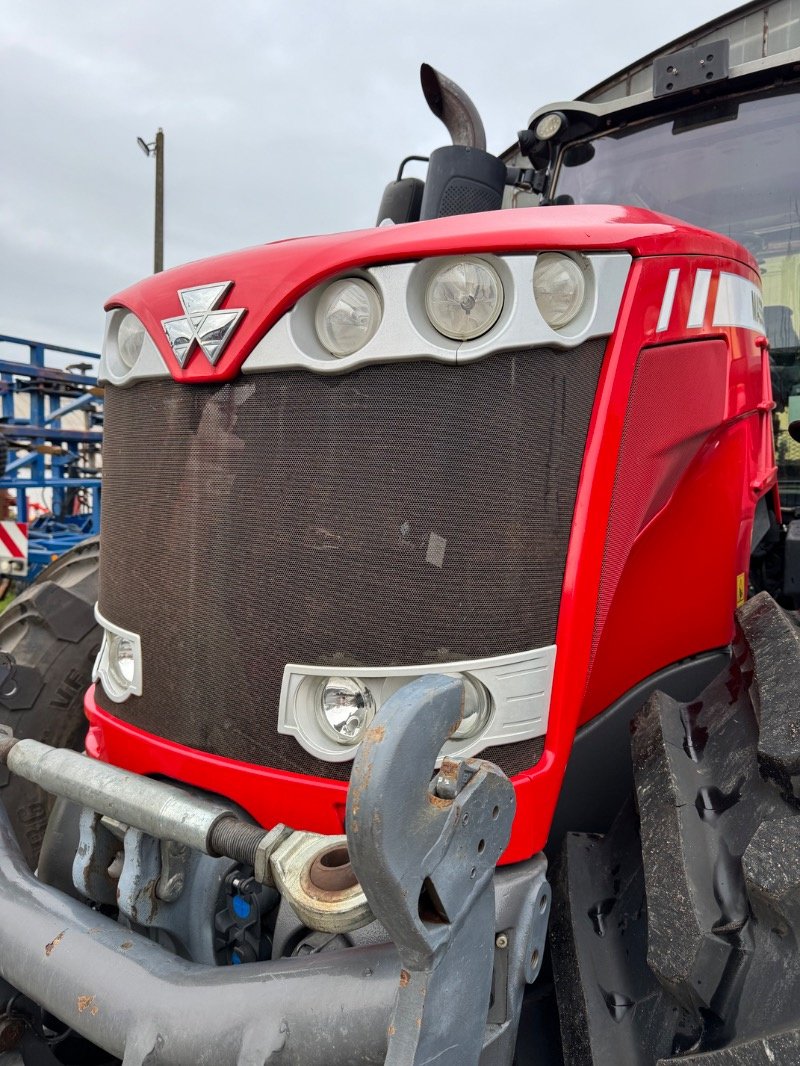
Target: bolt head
column 501, row 941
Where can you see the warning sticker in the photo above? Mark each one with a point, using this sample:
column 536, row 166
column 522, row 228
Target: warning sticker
column 741, row 589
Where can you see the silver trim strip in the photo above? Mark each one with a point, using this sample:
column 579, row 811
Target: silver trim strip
column 520, row 686
column 406, row 333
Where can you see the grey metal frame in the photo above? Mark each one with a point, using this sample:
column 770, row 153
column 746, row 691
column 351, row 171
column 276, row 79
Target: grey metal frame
column 126, row 994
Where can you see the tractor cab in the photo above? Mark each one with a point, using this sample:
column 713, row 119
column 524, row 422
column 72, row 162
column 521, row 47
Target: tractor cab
column 705, row 129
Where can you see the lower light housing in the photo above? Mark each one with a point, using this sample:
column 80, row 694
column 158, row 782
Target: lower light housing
column 507, row 699
column 118, row 666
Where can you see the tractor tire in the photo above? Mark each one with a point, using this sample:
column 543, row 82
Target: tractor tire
column 51, row 633
column 674, row 937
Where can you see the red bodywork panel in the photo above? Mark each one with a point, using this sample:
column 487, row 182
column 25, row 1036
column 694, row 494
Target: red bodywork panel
column 651, row 484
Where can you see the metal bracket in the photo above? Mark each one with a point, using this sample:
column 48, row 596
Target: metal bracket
column 424, row 853
column 696, row 65
column 174, row 860
column 98, row 848
column 333, row 911
column 137, row 894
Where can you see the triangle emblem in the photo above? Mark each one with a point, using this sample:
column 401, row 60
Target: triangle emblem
column 202, row 323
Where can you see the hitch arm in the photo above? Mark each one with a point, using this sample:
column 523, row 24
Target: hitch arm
column 424, row 851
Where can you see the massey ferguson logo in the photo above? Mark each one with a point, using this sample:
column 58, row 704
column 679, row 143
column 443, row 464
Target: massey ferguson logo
column 202, row 324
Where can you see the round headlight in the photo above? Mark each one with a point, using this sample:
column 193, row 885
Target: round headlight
column 549, row 125
column 477, row 704
column 558, row 287
column 348, row 314
column 464, row 299
column 346, row 708
column 121, row 660
column 130, row 340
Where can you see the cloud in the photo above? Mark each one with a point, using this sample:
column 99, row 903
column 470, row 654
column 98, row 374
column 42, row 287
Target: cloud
column 280, row 120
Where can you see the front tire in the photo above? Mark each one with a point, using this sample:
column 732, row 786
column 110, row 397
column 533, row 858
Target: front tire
column 51, row 632
column 675, row 936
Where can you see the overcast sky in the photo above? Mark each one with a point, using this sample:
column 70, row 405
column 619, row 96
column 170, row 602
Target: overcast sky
column 281, row 119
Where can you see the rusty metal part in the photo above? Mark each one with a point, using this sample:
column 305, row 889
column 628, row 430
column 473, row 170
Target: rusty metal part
column 174, row 858
column 97, row 865
column 142, row 1004
column 127, row 995
column 426, row 863
column 11, row 1032
column 453, row 776
column 137, row 889
column 328, row 910
column 331, row 870
column 7, row 742
column 453, row 107
column 231, row 836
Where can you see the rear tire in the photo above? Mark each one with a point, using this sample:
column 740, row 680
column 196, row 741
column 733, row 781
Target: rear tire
column 51, row 632
column 675, row 936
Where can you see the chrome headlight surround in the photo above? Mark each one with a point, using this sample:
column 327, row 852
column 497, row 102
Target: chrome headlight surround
column 119, row 645
column 517, row 688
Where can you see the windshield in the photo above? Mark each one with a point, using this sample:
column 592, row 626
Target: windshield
column 732, row 167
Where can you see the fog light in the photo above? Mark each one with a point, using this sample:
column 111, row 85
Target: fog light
column 121, row 659
column 346, row 708
column 558, row 288
column 464, row 299
column 118, row 666
column 130, row 340
column 348, row 314
column 477, row 705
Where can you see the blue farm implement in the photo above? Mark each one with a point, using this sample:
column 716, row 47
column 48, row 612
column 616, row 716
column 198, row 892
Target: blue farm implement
column 50, row 438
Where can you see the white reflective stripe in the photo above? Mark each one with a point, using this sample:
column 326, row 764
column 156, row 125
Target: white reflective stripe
column 739, row 303
column 697, row 308
column 13, row 540
column 669, row 299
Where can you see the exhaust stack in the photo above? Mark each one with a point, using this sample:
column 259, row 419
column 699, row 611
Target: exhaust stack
column 453, row 107
column 462, row 177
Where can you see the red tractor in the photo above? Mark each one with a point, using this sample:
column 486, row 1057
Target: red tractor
column 435, row 716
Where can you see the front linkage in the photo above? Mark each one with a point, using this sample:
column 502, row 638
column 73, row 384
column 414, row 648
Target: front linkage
column 447, row 985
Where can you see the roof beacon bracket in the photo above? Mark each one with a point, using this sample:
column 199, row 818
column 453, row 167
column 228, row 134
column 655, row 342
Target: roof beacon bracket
column 691, row 67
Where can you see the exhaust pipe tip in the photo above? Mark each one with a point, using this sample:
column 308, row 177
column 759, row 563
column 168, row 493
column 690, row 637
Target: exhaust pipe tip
column 453, row 107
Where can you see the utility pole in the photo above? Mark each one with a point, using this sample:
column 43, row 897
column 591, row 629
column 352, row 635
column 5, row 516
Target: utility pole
column 156, row 148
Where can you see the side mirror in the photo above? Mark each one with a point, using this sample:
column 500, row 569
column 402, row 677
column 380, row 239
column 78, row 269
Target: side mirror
column 401, row 201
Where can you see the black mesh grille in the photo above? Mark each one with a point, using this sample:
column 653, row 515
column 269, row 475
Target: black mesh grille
column 463, row 196
column 294, row 517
